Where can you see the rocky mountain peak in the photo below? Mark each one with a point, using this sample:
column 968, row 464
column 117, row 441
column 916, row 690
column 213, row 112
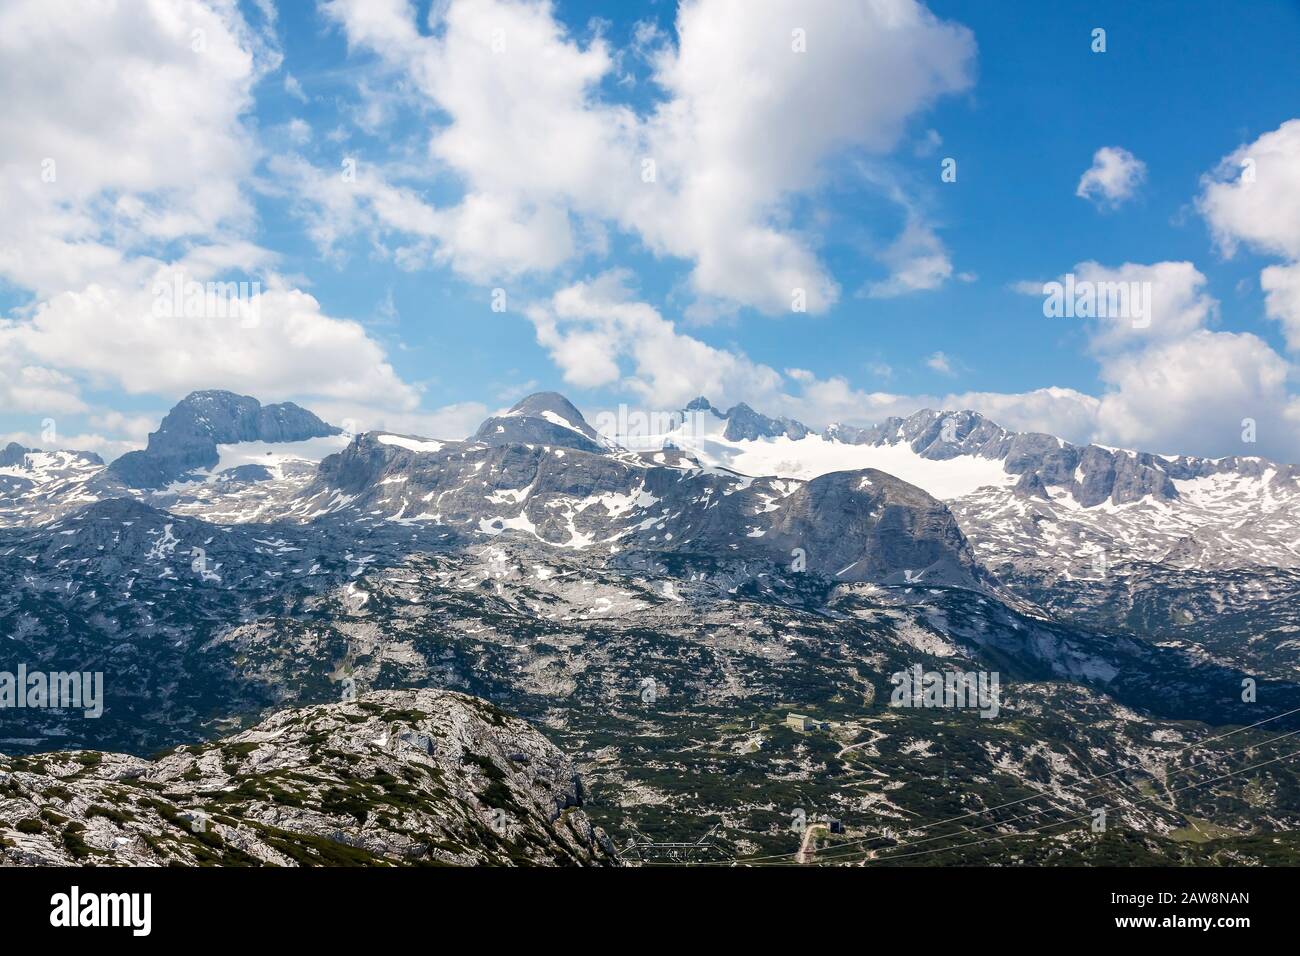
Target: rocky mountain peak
column 543, row 418
column 539, row 403
column 188, row 436
column 745, row 424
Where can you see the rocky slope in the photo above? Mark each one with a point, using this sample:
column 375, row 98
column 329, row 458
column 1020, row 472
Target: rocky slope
column 35, row 485
column 393, row 778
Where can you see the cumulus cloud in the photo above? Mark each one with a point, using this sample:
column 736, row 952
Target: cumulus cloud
column 599, row 335
column 1064, row 412
column 1166, row 300
column 1170, row 382
column 701, row 178
column 291, row 349
column 29, row 387
column 1183, row 389
column 1113, row 178
column 127, row 162
column 918, row 262
column 1281, row 285
column 1253, row 197
column 456, row 421
column 1193, row 395
column 939, row 362
column 140, row 141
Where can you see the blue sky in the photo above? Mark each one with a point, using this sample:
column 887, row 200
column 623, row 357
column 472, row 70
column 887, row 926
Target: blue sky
column 778, row 168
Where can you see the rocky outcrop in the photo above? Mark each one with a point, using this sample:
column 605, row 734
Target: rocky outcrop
column 745, row 424
column 395, row 777
column 13, row 455
column 35, row 485
column 870, row 526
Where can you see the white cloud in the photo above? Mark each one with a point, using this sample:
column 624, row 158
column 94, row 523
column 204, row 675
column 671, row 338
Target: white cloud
column 454, row 422
column 1171, row 384
column 113, row 334
column 1281, row 285
column 1132, row 304
column 29, row 387
column 126, row 154
column 1184, row 390
column 298, row 131
column 1063, row 412
column 133, row 139
column 1174, row 303
column 599, row 336
column 294, row 88
column 918, row 262
column 1254, row 198
column 1254, row 195
column 135, row 427
column 1113, row 178
column 513, row 84
column 939, row 362
column 1192, row 395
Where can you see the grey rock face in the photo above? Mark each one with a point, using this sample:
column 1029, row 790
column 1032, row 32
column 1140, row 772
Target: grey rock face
column 546, row 418
column 188, row 437
column 13, row 455
column 870, row 526
column 245, row 473
column 743, row 423
column 701, row 404
column 395, row 777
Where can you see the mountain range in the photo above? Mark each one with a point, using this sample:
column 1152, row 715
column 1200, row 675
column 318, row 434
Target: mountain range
column 657, row 604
